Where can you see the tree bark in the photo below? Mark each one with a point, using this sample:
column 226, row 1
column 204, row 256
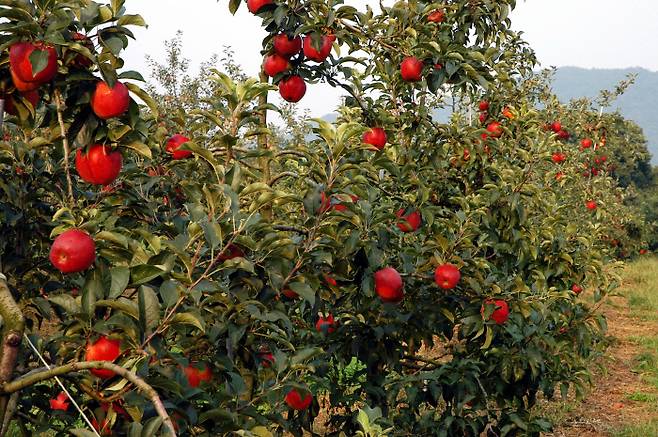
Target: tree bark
column 12, row 334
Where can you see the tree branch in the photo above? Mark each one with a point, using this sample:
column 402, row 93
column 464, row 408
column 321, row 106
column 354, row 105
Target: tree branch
column 142, row 386
column 65, row 142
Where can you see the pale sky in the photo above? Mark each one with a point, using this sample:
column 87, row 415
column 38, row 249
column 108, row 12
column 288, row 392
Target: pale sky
column 582, row 33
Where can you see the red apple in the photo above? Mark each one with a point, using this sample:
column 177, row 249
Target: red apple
column 436, row 16
column 31, row 96
column 231, row 251
column 591, row 205
column 99, row 165
column 103, row 349
column 22, row 85
column 576, row 288
column 73, row 251
column 411, row 69
column 376, row 137
column 255, row 6
column 326, row 325
column 275, row 64
column 643, row 251
column 559, row 157
column 329, row 280
column 173, row 145
column 483, row 117
column 500, row 314
column 326, row 42
column 60, row 402
column 556, row 126
column 586, row 143
column 563, row 134
column 559, row 175
column 19, row 62
column 297, row 401
column 410, row 222
column 266, row 358
column 287, row 47
column 495, row 129
column 109, row 102
column 195, row 375
column 292, row 88
column 388, row 285
column 447, row 276
column 484, row 106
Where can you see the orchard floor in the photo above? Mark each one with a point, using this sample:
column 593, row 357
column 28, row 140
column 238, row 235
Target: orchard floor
column 624, row 399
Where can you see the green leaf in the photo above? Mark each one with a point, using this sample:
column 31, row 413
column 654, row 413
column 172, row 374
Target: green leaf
column 189, row 319
column 152, row 427
column 169, row 292
column 149, row 308
column 120, row 278
column 145, row 273
column 304, row 290
column 92, row 290
column 131, row 20
column 233, row 6
column 39, row 61
column 67, row 302
column 140, row 148
column 143, row 95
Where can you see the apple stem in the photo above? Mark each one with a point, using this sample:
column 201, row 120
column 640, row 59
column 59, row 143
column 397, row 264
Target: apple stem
column 65, row 143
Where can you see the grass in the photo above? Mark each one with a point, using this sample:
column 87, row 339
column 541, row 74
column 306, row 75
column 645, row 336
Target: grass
column 641, row 287
column 642, row 430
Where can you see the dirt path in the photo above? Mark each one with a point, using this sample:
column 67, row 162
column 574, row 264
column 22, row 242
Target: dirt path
column 609, row 406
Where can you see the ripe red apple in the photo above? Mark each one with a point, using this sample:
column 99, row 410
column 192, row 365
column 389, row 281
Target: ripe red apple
column 289, row 293
column 484, row 106
column 103, row 349
column 559, row 157
column 22, row 85
column 266, row 358
column 326, row 325
column 174, row 143
column 73, row 251
column 563, row 134
column 297, row 401
column 109, row 102
column 231, row 251
column 376, row 137
column 99, row 165
column 19, row 62
column 31, row 96
column 275, row 64
column 195, row 375
column 495, row 129
column 292, row 88
column 576, row 288
column 60, row 402
column 447, row 276
column 287, row 47
column 556, row 126
column 500, row 314
column 643, row 251
column 410, row 222
column 329, row 280
column 436, row 16
column 255, row 6
column 591, row 205
column 312, row 53
column 586, row 143
column 388, row 285
column 483, row 117
column 411, row 69
column 559, row 175
column 81, row 61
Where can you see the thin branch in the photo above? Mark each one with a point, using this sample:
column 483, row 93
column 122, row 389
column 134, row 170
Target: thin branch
column 143, row 386
column 65, row 142
column 290, row 229
column 280, row 176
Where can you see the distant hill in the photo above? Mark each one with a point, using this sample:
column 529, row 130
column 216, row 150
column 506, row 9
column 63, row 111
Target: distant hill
column 638, row 103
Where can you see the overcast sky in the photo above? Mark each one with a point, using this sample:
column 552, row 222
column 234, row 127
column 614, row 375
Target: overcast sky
column 583, row 33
